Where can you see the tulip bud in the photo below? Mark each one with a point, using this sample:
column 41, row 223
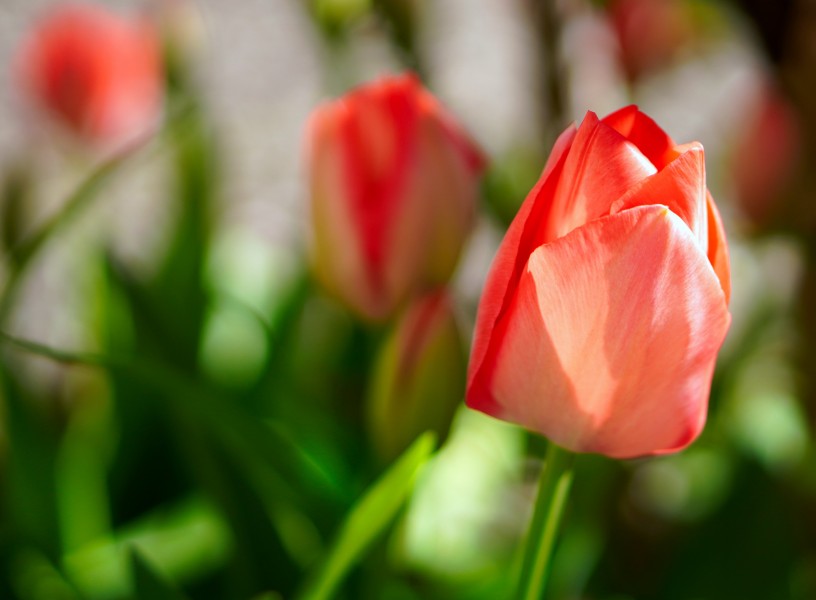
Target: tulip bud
column 394, row 184
column 96, row 74
column 607, row 302
column 419, row 376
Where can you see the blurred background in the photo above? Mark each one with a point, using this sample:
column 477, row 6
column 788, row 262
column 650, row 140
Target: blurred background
column 205, row 432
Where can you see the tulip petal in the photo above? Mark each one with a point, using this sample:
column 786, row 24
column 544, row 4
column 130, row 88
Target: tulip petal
column 601, row 167
column 610, row 342
column 472, row 155
column 508, row 264
column 379, row 142
column 644, row 133
column 681, row 186
column 336, row 248
column 718, row 247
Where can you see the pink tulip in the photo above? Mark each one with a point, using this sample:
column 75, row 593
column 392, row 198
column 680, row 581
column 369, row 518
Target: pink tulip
column 607, row 301
column 394, row 183
column 97, row 74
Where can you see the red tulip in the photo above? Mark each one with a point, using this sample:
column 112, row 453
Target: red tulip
column 650, row 32
column 766, row 154
column 94, row 72
column 607, row 302
column 393, row 193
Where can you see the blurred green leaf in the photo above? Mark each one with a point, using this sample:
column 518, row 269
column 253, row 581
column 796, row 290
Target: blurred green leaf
column 507, row 182
column 15, row 199
column 188, row 539
column 148, row 584
column 34, row 577
column 30, row 491
column 22, row 253
column 369, row 518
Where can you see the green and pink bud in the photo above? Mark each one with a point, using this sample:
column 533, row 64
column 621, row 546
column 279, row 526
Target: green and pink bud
column 419, row 376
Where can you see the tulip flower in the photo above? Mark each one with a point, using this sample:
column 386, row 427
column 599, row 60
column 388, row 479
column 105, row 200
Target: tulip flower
column 95, row 73
column 394, row 183
column 419, row 376
column 607, row 302
column 650, row 32
column 767, row 152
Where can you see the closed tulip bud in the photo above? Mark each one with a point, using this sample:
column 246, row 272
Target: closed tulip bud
column 96, row 74
column 394, row 184
column 607, row 302
column 419, row 376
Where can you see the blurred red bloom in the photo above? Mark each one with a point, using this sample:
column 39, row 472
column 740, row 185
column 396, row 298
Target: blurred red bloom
column 96, row 73
column 649, row 32
column 394, row 183
column 765, row 153
column 607, row 302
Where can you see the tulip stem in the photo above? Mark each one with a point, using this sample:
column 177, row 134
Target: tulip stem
column 553, row 489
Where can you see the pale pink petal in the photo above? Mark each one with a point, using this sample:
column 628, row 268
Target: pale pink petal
column 681, row 186
column 610, row 342
column 601, row 167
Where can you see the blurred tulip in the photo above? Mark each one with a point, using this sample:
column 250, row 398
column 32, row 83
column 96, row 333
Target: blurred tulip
column 607, row 302
column 394, row 185
column 419, row 377
column 96, row 73
column 649, row 32
column 765, row 154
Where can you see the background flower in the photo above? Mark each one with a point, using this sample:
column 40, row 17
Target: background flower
column 393, row 193
column 96, row 73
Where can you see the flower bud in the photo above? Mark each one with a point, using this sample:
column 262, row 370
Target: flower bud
column 95, row 73
column 394, row 184
column 419, row 376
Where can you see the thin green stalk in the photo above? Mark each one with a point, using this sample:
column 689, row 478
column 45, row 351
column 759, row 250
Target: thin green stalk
column 23, row 254
column 554, row 486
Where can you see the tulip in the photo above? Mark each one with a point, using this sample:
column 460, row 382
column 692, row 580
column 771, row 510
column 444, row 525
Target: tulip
column 607, row 302
column 767, row 152
column 95, row 73
column 650, row 33
column 394, row 183
column 419, row 376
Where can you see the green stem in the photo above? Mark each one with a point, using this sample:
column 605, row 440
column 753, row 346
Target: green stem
column 554, row 486
column 23, row 255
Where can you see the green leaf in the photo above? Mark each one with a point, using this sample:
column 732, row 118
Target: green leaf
column 148, row 584
column 369, row 518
